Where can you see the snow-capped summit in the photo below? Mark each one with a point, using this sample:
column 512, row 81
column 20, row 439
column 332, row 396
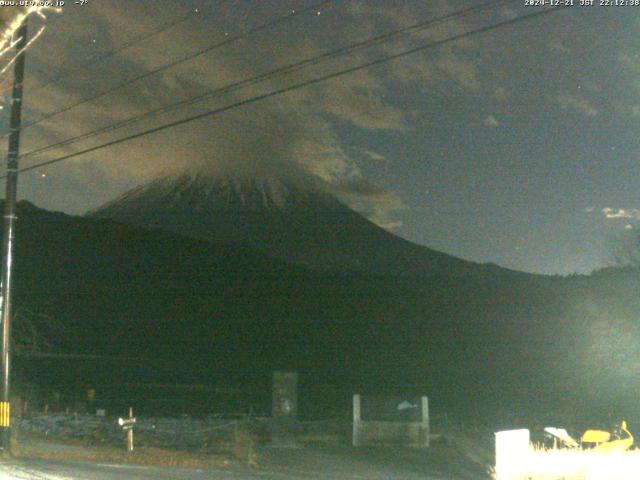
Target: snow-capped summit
column 292, row 217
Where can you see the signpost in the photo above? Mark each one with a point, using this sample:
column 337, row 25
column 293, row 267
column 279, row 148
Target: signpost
column 127, row 425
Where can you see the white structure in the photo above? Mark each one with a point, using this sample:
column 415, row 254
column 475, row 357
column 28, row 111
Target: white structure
column 517, row 459
column 512, row 454
column 393, row 431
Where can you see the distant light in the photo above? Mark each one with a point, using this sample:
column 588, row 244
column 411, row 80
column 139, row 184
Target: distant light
column 43, row 175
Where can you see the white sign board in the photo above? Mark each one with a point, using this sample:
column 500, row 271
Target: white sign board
column 512, row 453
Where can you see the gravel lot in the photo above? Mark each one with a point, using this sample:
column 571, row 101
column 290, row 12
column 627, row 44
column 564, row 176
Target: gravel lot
column 311, row 460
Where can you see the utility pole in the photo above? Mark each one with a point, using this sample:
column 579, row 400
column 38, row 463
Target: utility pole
column 9, row 233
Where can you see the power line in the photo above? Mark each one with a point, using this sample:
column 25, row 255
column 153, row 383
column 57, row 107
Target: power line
column 290, row 88
column 267, row 75
column 175, row 63
column 125, row 46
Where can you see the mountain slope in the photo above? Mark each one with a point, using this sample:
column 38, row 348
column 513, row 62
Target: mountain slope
column 291, row 219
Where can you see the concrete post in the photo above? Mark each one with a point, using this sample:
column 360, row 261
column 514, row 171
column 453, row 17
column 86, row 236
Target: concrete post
column 356, row 420
column 426, row 430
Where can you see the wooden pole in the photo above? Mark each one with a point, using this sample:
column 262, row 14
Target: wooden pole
column 130, row 432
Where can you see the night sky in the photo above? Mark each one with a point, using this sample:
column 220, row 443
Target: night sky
column 518, row 146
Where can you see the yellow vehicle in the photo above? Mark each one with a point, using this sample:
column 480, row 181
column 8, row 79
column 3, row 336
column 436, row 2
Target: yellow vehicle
column 598, row 440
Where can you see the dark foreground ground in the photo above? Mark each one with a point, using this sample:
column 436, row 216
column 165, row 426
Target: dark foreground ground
column 440, row 462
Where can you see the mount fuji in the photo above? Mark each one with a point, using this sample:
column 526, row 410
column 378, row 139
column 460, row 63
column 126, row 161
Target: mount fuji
column 293, row 218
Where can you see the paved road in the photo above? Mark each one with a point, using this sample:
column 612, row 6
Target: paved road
column 60, row 470
column 57, row 470
column 275, row 464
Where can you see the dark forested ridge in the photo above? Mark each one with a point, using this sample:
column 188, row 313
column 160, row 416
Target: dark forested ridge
column 478, row 338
